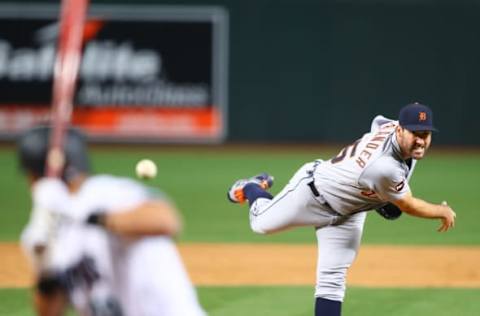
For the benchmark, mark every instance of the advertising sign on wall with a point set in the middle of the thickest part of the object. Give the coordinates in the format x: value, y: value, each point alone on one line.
x: 148, y: 73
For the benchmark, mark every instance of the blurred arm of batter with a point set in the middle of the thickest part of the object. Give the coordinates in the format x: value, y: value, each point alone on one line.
x: 150, y: 218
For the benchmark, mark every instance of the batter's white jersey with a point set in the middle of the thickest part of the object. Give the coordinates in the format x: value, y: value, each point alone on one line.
x: 146, y: 275
x: 366, y: 174
x: 67, y: 240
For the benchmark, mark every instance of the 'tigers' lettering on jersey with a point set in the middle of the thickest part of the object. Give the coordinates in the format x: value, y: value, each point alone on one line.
x: 373, y: 144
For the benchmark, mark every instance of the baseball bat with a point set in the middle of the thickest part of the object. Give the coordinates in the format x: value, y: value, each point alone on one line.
x: 67, y: 63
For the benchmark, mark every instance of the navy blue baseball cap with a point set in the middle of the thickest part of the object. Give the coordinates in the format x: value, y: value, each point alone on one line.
x: 416, y: 117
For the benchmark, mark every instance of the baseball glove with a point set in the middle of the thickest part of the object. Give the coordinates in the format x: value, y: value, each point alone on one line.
x: 389, y: 211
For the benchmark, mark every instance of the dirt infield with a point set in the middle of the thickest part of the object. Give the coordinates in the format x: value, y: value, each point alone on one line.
x: 287, y: 264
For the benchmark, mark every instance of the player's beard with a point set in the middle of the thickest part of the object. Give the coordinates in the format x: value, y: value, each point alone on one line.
x: 418, y: 151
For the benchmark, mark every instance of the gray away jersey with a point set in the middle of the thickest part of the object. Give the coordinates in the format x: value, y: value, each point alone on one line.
x: 367, y: 173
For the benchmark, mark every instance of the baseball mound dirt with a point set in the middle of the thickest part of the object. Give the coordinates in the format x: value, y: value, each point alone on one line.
x: 287, y: 264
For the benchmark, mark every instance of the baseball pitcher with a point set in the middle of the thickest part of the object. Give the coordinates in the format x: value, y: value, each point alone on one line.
x: 334, y: 195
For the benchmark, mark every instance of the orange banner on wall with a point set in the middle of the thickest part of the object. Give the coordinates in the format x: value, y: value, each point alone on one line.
x: 128, y: 122
x: 141, y: 124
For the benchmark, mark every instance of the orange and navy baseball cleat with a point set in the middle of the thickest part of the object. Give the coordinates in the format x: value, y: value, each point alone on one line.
x: 236, y: 195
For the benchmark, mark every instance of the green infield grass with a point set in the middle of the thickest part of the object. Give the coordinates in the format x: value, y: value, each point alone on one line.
x: 197, y: 179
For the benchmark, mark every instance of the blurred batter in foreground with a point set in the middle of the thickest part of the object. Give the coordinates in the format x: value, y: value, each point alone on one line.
x: 101, y: 244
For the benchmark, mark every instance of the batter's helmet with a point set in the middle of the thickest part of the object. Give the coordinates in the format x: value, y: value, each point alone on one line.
x: 32, y: 149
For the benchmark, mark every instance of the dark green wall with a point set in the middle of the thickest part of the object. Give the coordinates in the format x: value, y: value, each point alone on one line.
x: 318, y: 71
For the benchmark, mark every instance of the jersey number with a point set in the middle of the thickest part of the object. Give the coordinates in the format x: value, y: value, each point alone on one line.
x: 343, y: 153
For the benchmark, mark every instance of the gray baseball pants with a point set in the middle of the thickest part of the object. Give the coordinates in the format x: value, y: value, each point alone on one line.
x: 338, y: 236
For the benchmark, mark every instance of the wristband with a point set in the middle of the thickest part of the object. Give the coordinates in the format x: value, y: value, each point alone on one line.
x: 97, y: 218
